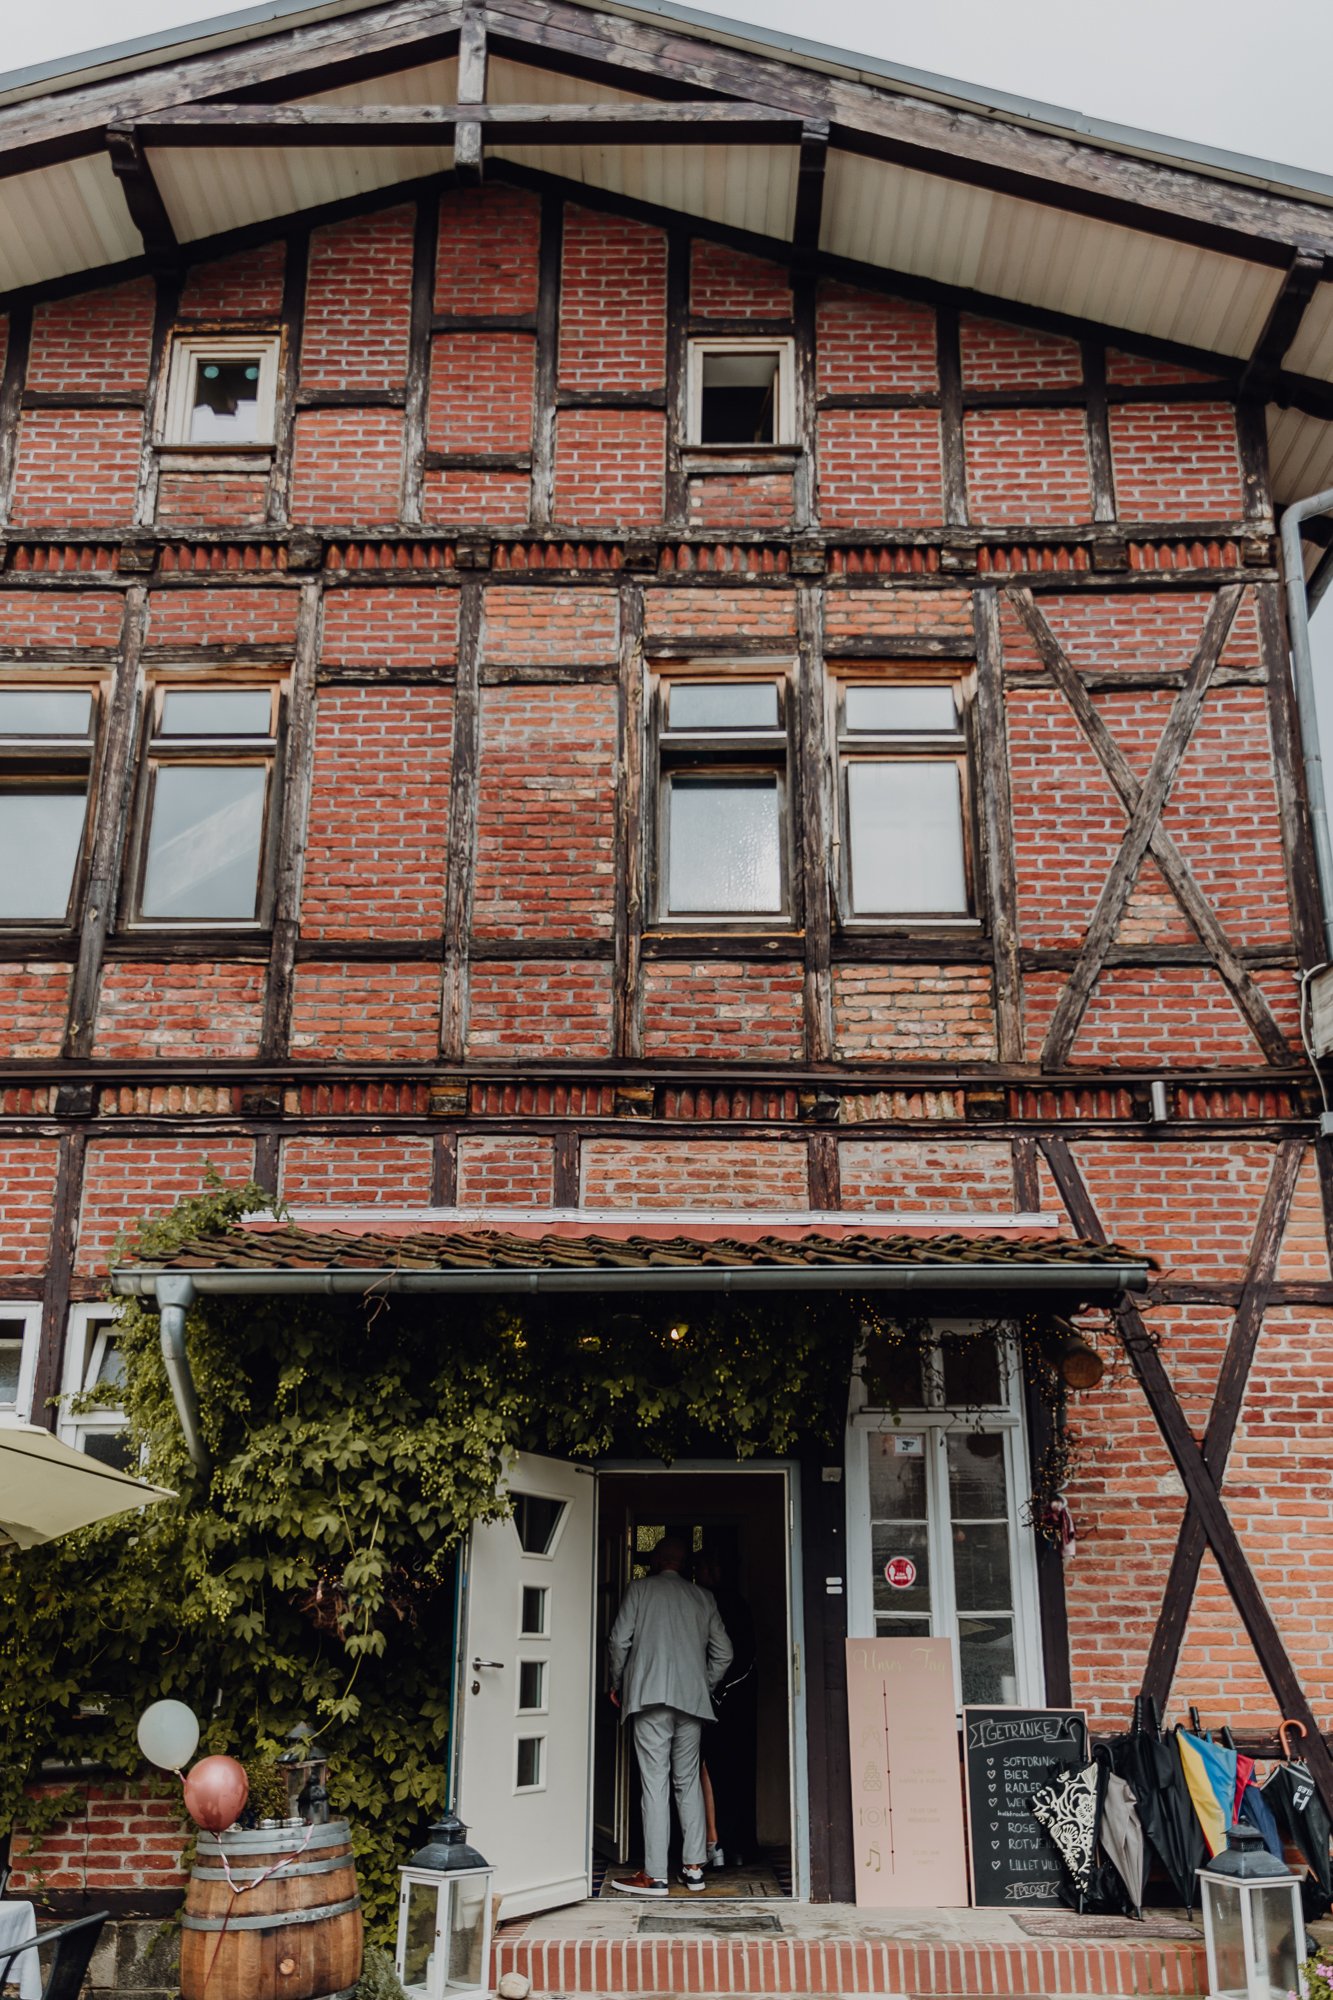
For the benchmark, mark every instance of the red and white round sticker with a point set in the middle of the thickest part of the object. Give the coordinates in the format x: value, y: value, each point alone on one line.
x: 900, y: 1571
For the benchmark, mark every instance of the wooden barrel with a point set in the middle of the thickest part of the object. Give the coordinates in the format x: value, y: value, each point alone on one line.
x: 290, y: 1935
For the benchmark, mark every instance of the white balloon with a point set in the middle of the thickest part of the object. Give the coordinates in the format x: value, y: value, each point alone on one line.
x: 168, y: 1734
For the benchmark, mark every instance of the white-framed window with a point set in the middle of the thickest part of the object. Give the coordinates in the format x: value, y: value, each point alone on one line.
x: 903, y: 796
x: 204, y: 830
x: 20, y: 1329
x: 937, y: 1490
x: 722, y: 834
x: 221, y: 391
x: 741, y: 392
x: 94, y: 1364
x: 48, y: 730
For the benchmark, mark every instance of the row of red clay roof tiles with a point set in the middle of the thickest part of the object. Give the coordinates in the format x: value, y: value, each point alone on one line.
x: 488, y: 1249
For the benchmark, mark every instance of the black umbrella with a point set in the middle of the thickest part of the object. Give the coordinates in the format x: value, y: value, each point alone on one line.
x: 1151, y: 1767
x: 1299, y: 1811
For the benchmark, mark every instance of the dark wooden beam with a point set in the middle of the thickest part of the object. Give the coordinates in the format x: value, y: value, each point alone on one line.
x: 66, y: 1197
x: 1228, y: 1398
x: 111, y: 804
x: 699, y: 123
x: 11, y: 396
x: 165, y: 305
x: 143, y: 197
x: 471, y: 90
x: 953, y: 445
x: 814, y: 887
x: 541, y: 501
x: 676, y: 487
x: 1100, y: 471
x: 627, y: 1030
x: 461, y: 834
x: 295, y: 273
x: 1285, y: 315
x: 298, y: 778
x: 1289, y: 780
x: 425, y: 248
x: 1200, y: 1485
x: 958, y: 141
x: 995, y: 821
x: 811, y: 174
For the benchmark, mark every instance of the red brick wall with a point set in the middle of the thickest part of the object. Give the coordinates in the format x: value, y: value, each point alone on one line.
x: 867, y: 345
x: 358, y: 300
x: 27, y: 1172
x: 609, y: 466
x: 403, y: 627
x: 547, y: 1008
x: 200, y: 1009
x: 999, y: 356
x: 236, y: 287
x: 928, y: 1176
x: 549, y: 627
x: 504, y: 1172
x: 612, y: 303
x: 223, y: 616
x: 695, y: 1173
x: 726, y: 284
x: 98, y: 340
x: 488, y: 252
x: 880, y: 468
x: 36, y: 1006
x: 721, y: 1009
x: 128, y: 1178
x: 124, y: 1836
x: 375, y: 1170
x: 1175, y: 463
x: 544, y: 820
x: 481, y: 393
x: 1027, y: 465
x: 348, y: 466
x: 377, y: 837
x: 77, y: 468
x: 909, y: 1013
x: 366, y: 1013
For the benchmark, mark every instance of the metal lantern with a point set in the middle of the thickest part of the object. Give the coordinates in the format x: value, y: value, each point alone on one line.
x: 306, y: 1769
x: 444, y: 1916
x: 1252, y: 1925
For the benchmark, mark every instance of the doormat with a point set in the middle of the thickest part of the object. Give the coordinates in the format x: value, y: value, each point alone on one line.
x: 706, y: 1923
x: 1119, y: 1929
x: 758, y: 1882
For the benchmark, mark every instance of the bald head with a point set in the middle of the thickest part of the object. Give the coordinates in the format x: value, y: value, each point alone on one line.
x: 670, y: 1553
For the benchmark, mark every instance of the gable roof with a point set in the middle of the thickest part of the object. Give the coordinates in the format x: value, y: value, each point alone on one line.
x: 790, y: 148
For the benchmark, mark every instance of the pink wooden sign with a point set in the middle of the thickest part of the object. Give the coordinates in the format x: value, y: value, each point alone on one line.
x: 907, y: 1796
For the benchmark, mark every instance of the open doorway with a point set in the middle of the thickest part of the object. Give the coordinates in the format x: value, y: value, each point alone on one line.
x: 739, y: 1520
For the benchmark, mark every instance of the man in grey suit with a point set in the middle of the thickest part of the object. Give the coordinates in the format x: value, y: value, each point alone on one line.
x: 668, y: 1650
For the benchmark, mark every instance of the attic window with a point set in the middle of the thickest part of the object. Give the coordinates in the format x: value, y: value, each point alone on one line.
x: 221, y: 391
x: 741, y: 393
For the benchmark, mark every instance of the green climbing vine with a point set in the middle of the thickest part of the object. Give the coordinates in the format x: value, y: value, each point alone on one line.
x: 309, y: 1574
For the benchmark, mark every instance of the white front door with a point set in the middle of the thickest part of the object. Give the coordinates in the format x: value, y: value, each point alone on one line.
x: 525, y: 1679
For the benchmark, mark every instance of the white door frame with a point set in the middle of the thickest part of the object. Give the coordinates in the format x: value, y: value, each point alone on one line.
x: 1008, y: 1418
x: 797, y: 1759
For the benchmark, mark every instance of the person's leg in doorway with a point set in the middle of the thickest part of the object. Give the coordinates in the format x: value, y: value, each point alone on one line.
x: 653, y: 1746
x: 687, y: 1732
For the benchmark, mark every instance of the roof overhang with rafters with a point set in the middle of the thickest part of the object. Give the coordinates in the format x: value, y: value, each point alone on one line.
x: 790, y: 149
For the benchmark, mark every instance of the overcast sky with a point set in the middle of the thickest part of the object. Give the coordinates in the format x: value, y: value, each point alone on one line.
x: 1224, y: 73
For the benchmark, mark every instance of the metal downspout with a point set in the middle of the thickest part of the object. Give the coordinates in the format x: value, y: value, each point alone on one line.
x: 175, y: 1294
x: 1302, y: 673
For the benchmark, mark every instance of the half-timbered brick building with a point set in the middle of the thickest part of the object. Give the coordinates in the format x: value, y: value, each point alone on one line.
x: 613, y: 629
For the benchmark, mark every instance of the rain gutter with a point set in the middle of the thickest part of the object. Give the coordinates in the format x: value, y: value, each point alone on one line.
x: 1302, y: 674
x: 176, y: 1291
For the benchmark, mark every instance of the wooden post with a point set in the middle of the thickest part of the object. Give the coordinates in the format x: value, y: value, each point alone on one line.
x: 294, y: 275
x: 548, y: 360
x: 298, y: 778
x: 812, y: 820
x: 65, y: 1200
x: 462, y: 831
x: 425, y: 249
x: 996, y: 826
x: 11, y: 392
x: 629, y: 830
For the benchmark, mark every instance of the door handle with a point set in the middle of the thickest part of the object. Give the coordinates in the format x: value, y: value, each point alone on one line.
x: 477, y: 1665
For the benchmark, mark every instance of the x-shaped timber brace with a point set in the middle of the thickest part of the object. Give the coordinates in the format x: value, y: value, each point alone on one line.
x: 1206, y: 1517
x: 1145, y: 833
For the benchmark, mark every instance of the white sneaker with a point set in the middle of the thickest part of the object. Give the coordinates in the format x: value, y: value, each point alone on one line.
x: 716, y: 1858
x: 693, y: 1878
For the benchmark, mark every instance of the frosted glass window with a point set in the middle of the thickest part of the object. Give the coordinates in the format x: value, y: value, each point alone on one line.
x: 204, y: 841
x: 224, y: 407
x: 11, y: 1365
x: 905, y: 822
x: 724, y: 846
x: 528, y: 1763
x: 45, y: 711
x: 216, y: 712
x: 723, y: 705
x: 41, y: 830
x: 901, y: 710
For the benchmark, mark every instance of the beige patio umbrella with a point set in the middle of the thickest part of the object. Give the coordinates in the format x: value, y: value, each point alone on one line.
x: 49, y: 1489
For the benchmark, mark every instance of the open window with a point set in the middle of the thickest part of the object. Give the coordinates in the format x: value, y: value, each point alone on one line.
x: 221, y: 391
x: 741, y: 393
x: 206, y: 804
x: 939, y: 1545
x: 20, y: 1327
x: 47, y: 733
x: 903, y: 798
x: 722, y: 816
x: 92, y: 1418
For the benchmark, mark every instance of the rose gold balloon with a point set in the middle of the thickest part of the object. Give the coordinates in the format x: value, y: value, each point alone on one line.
x: 215, y: 1792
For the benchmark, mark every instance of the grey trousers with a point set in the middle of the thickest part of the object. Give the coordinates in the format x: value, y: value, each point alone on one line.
x: 667, y: 1746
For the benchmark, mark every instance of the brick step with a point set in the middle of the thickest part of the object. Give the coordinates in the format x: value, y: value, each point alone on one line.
x: 666, y: 1968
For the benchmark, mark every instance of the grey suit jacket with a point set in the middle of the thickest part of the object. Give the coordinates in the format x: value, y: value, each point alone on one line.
x: 668, y: 1645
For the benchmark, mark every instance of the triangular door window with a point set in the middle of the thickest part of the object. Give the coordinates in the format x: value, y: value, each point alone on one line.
x: 537, y: 1520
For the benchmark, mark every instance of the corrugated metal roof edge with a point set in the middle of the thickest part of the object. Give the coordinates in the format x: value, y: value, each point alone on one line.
x: 248, y: 23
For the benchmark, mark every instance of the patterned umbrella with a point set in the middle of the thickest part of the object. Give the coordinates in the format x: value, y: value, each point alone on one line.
x: 1069, y: 1811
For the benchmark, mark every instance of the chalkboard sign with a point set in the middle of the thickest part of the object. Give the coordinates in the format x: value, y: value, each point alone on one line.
x: 1008, y: 1754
